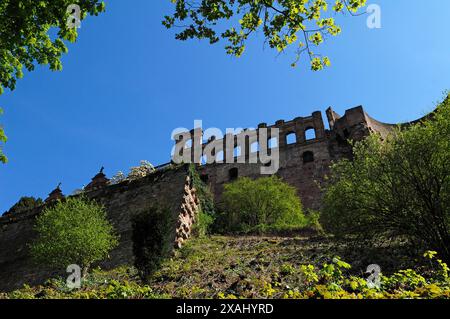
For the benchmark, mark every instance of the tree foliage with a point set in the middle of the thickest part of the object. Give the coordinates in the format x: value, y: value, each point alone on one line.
x: 152, y: 239
x: 396, y: 187
x: 301, y: 24
x: 3, y: 139
x: 74, y: 231
x: 26, y: 37
x: 251, y: 204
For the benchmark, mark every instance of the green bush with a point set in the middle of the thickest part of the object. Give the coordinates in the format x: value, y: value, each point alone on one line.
x: 152, y: 239
x: 313, y: 221
x: 202, y: 225
x: 399, y: 186
x: 258, y: 205
x: 74, y: 231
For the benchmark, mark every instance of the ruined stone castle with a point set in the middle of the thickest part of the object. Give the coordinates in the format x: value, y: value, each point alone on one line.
x: 306, y: 150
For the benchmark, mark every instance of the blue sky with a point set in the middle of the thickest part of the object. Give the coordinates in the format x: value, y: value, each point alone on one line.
x: 127, y: 84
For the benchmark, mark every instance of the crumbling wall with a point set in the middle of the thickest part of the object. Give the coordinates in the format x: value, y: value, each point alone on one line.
x: 305, y: 176
x: 170, y: 188
x: 190, y: 206
x: 303, y: 163
x: 306, y: 173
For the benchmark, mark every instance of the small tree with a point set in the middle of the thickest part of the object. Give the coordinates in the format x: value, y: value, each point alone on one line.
x: 399, y: 186
x: 74, y: 231
x: 251, y: 204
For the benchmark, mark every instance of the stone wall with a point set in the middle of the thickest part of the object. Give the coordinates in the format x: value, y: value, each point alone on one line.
x: 16, y: 268
x: 304, y: 163
x: 170, y: 188
x: 305, y: 176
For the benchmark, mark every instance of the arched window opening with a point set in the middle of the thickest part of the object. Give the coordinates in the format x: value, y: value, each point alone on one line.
x: 310, y: 134
x: 291, y: 138
x: 308, y: 157
x: 233, y: 174
x: 204, y: 160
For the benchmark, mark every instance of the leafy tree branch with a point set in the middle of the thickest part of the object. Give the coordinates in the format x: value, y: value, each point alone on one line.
x: 302, y: 24
x: 26, y: 40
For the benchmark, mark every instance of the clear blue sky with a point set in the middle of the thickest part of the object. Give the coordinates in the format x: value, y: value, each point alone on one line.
x: 127, y: 84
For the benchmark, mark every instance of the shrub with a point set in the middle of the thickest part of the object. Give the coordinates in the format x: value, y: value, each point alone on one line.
x: 332, y: 281
x: 145, y: 168
x: 313, y: 221
x: 74, y: 231
x: 152, y: 239
x: 202, y: 225
x: 399, y: 186
x: 250, y: 205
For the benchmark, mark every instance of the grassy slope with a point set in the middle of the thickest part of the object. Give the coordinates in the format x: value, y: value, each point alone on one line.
x: 246, y: 266
x: 217, y: 267
x: 239, y: 266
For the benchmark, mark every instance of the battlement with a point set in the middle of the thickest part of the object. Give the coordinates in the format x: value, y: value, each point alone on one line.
x: 245, y: 144
x: 298, y: 126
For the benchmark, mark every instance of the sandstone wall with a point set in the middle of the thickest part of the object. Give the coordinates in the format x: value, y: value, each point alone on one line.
x: 304, y: 176
x: 171, y: 189
x: 305, y: 173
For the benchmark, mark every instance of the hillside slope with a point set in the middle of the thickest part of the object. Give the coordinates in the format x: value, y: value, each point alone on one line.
x: 252, y: 267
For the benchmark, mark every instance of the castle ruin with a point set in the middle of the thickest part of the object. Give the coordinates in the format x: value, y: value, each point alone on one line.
x: 306, y: 150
